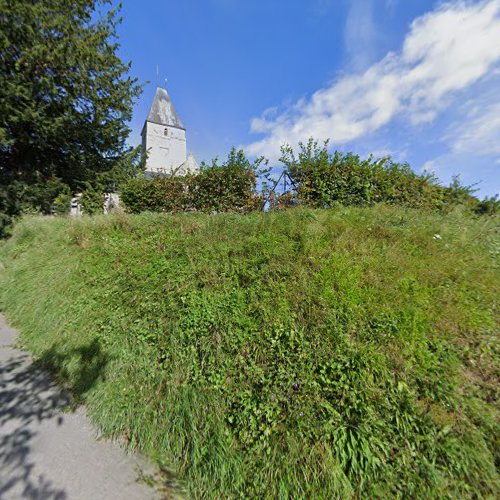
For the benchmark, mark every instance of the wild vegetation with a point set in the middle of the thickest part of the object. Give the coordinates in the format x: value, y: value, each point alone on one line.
x: 323, y: 179
x: 316, y: 178
x: 230, y: 186
x: 344, y: 348
x: 340, y: 353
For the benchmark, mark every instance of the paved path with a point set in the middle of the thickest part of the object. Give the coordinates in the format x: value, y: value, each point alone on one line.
x: 49, y: 454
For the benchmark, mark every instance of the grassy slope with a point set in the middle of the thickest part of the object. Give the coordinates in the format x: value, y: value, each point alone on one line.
x: 305, y: 353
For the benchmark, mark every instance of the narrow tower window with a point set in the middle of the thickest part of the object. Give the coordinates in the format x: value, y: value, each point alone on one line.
x: 165, y: 131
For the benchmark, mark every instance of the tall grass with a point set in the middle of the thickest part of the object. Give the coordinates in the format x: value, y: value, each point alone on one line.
x: 299, y: 354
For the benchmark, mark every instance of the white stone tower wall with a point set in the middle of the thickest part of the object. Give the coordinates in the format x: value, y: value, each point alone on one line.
x: 166, y: 147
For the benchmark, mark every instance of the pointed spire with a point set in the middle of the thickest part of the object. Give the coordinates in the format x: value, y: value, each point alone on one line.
x: 163, y: 111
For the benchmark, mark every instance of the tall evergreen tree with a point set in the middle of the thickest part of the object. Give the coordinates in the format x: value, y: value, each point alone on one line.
x: 65, y: 94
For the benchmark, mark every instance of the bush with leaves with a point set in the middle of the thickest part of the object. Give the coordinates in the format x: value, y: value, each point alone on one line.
x: 92, y: 201
x: 40, y: 197
x: 281, y: 201
x: 10, y: 205
x: 127, y: 169
x: 325, y: 179
x: 488, y: 206
x: 62, y: 204
x: 18, y: 198
x: 226, y: 187
x: 158, y: 194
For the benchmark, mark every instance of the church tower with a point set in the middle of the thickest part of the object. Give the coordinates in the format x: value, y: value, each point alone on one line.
x: 164, y: 138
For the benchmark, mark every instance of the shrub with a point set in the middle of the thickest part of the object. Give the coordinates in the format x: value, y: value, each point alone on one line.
x: 92, y: 201
x: 62, y: 204
x: 40, y: 197
x: 159, y: 194
x: 226, y: 187
x: 18, y: 198
x: 10, y: 205
x: 318, y: 179
x: 282, y: 201
x: 488, y: 206
x: 324, y: 180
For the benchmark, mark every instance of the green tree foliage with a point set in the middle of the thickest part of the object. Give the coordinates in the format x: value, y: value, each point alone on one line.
x: 488, y: 206
x: 159, y: 194
x: 220, y: 187
x: 65, y: 95
x: 323, y: 179
x: 230, y: 186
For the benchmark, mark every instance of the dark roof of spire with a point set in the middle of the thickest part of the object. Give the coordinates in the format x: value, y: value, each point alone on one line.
x: 163, y: 111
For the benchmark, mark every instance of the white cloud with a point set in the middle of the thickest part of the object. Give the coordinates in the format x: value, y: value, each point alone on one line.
x: 360, y: 34
x: 473, y: 141
x: 445, y: 51
x: 479, y: 171
x: 478, y: 133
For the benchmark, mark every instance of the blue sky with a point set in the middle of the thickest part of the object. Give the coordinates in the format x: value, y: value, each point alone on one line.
x: 416, y: 79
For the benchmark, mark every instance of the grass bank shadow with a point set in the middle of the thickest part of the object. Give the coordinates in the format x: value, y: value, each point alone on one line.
x: 28, y: 398
x: 79, y: 368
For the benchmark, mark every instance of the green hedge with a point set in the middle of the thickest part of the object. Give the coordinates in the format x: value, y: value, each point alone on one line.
x: 319, y: 179
x: 226, y: 187
x: 160, y: 194
x: 324, y: 179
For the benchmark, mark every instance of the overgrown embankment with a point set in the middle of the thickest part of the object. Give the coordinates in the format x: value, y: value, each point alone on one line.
x: 306, y: 353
